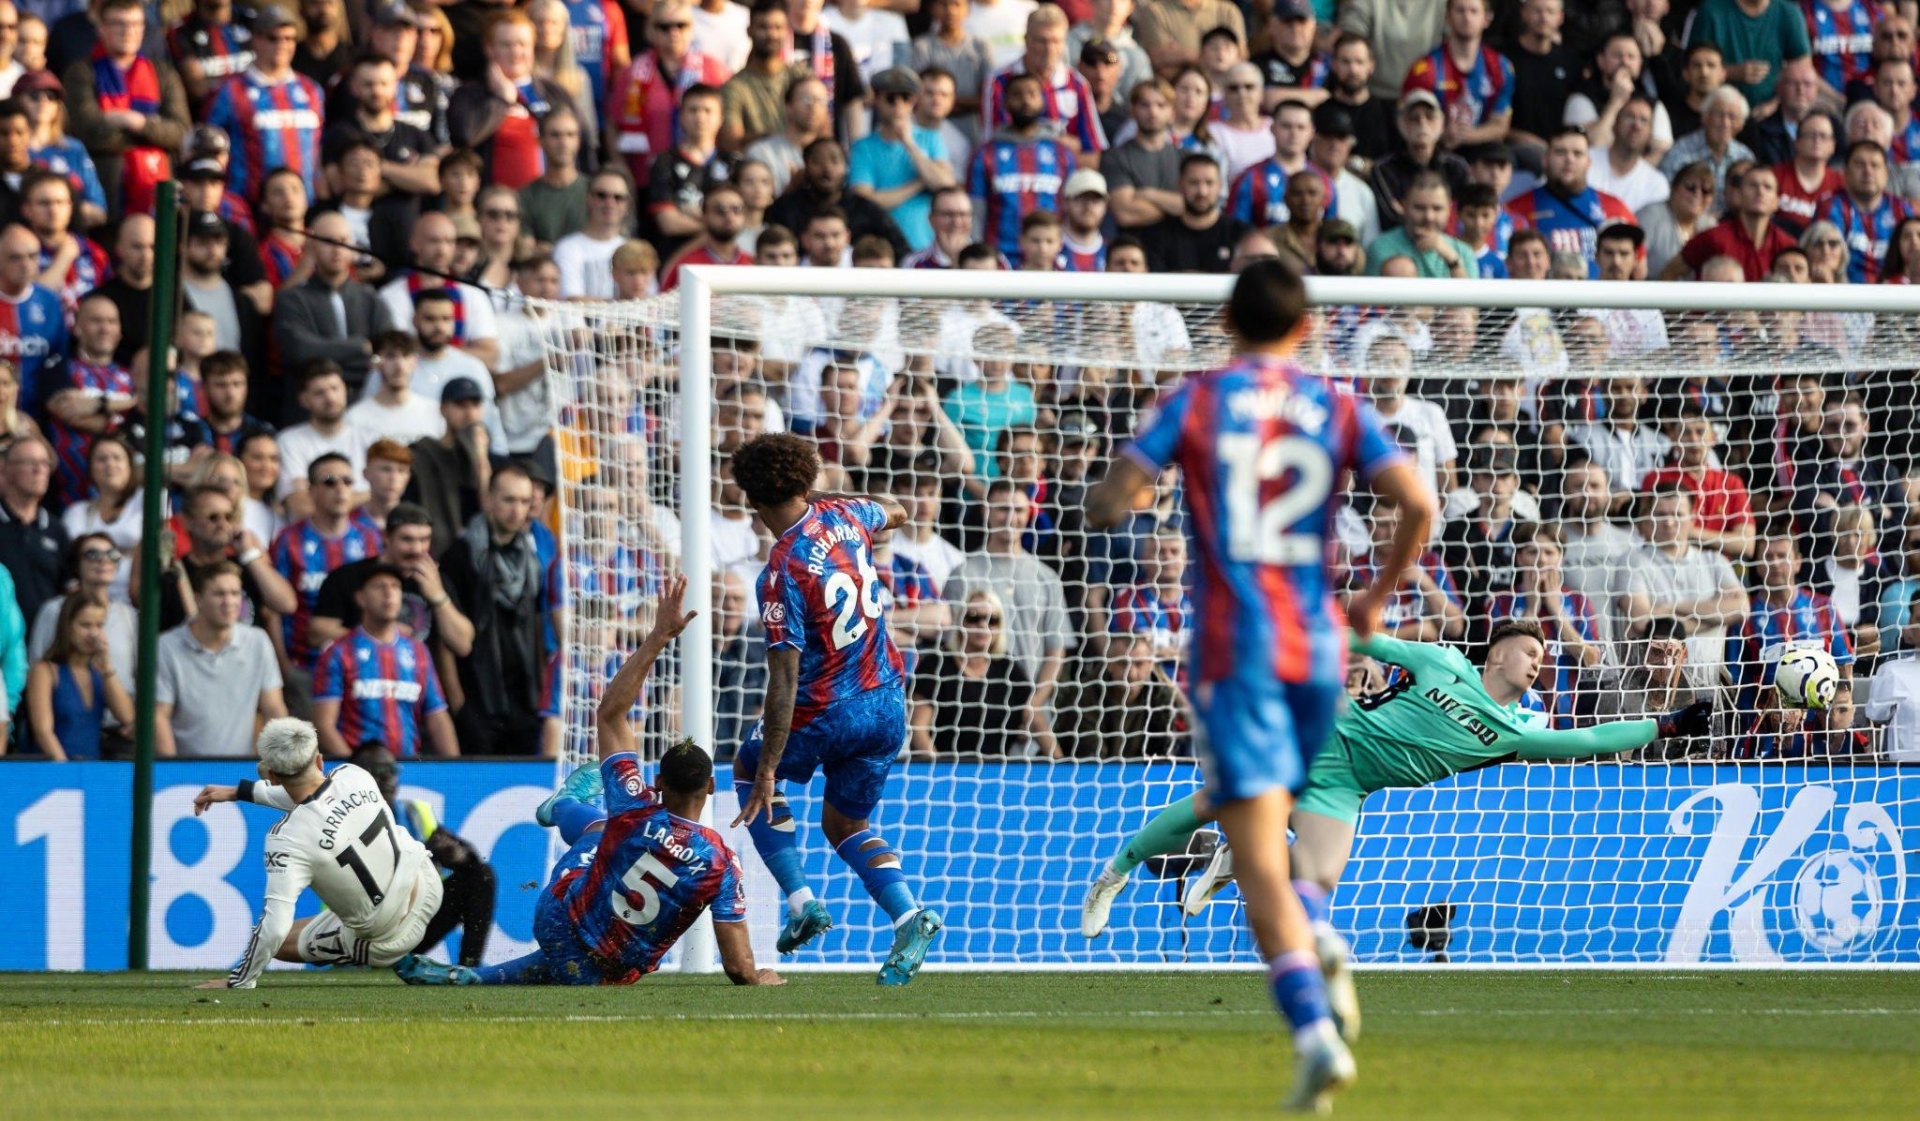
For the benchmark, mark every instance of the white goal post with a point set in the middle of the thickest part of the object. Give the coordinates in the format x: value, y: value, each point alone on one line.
x: 1748, y: 850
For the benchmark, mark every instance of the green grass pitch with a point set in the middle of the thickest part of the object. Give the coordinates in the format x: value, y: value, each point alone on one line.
x: 1165, y: 1045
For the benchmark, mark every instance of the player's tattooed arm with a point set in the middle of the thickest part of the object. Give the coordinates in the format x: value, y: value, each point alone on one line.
x: 783, y: 684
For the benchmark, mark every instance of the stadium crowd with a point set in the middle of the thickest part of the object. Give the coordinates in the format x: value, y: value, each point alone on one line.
x: 360, y: 465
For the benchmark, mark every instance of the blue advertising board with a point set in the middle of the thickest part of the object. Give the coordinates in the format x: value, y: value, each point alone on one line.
x: 1604, y: 864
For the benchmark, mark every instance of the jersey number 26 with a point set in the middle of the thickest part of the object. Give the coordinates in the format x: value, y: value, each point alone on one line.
x: 1268, y: 532
x: 853, y: 605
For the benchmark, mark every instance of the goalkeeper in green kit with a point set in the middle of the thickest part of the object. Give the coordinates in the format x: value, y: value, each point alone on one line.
x: 1438, y: 716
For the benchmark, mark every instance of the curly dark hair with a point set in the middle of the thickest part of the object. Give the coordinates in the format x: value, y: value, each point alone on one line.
x: 776, y: 467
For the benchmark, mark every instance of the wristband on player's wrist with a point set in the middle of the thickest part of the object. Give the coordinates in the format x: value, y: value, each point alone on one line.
x: 243, y: 792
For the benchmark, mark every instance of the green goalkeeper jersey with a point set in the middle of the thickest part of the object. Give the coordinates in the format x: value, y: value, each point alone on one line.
x: 1437, y: 720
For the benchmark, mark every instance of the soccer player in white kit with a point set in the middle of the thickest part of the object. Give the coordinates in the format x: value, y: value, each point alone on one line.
x: 379, y: 884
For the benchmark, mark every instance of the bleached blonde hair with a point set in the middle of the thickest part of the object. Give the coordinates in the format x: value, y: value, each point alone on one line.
x: 287, y: 746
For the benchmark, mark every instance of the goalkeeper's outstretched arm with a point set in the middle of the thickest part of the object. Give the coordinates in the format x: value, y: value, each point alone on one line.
x: 1617, y: 736
x: 614, y: 731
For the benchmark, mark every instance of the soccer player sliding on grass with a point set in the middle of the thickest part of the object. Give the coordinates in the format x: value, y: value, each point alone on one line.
x: 1437, y: 717
x: 639, y: 872
x: 836, y: 694
x: 1262, y: 446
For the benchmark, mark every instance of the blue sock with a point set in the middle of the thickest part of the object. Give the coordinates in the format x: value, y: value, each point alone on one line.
x: 773, y: 837
x: 878, y: 863
x: 1313, y: 899
x: 1298, y: 990
x: 572, y: 817
x: 529, y: 970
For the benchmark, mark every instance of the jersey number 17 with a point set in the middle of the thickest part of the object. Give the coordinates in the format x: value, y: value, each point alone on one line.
x: 1269, y: 532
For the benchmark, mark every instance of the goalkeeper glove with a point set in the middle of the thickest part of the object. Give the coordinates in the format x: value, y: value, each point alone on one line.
x: 1688, y: 721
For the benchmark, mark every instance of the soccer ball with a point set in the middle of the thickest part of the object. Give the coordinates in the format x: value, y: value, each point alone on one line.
x: 1806, y: 677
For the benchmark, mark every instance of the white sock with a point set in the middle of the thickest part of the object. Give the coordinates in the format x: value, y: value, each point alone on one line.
x: 907, y: 918
x: 797, y: 902
x: 1314, y: 1036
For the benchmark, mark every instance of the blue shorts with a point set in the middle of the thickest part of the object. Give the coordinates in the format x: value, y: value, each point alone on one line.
x: 1255, y: 736
x: 568, y: 962
x: 855, y: 742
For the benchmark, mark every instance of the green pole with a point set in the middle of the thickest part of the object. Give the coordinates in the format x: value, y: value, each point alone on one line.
x: 166, y: 276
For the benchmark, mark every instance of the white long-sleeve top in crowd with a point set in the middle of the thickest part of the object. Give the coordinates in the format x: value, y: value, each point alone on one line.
x: 342, y: 842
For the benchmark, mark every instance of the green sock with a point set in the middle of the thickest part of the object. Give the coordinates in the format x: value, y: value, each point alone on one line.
x: 1167, y: 832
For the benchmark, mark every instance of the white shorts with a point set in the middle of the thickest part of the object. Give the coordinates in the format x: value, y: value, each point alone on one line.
x: 328, y: 941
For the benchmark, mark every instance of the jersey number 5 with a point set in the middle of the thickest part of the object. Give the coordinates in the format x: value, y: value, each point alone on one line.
x: 636, y: 881
x: 1264, y: 532
x: 853, y: 605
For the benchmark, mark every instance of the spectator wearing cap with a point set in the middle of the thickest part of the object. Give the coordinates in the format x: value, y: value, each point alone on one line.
x: 450, y: 474
x: 378, y: 680
x: 208, y: 47
x: 1170, y: 30
x: 1100, y: 66
x: 1110, y: 25
x: 723, y: 213
x: 1066, y: 103
x: 805, y: 120
x: 274, y: 113
x: 128, y: 109
x: 1292, y: 67
x: 900, y: 164
x: 1083, y: 247
x: 1420, y: 125
x: 1565, y: 210
x: 393, y: 33
x: 951, y: 47
x: 331, y: 315
x: 203, y: 187
x: 499, y: 116
x: 1747, y: 233
x: 1336, y: 249
x: 409, y: 158
x: 643, y: 114
x: 1331, y: 152
x: 51, y: 147
x: 1259, y: 193
x: 239, y: 318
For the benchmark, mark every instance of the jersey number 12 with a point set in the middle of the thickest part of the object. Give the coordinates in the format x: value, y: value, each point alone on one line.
x: 1267, y: 532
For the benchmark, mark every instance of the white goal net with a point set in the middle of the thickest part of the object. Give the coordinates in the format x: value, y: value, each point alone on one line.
x: 1675, y: 496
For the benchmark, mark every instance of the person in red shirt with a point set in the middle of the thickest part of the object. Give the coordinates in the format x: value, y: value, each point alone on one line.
x: 1747, y: 233
x: 499, y: 117
x: 643, y: 113
x: 723, y: 214
x: 1722, y: 512
x: 1809, y: 180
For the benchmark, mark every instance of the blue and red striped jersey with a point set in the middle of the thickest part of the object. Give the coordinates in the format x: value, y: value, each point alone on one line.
x: 1570, y: 225
x: 1075, y: 258
x: 279, y: 258
x: 1842, y: 40
x: 1259, y: 195
x: 386, y: 690
x: 821, y: 595
x: 305, y: 557
x: 222, y: 49
x: 89, y: 270
x: 1262, y: 445
x: 596, y: 25
x: 1065, y: 99
x: 653, y: 873
x: 1011, y: 179
x: 1473, y: 96
x: 71, y: 445
x: 273, y: 125
x: 1754, y: 650
x: 33, y: 336
x: 1867, y: 231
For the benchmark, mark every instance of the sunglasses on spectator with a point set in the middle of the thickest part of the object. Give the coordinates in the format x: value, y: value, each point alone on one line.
x: 896, y: 97
x: 501, y: 215
x: 1242, y: 87
x: 100, y: 554
x: 1698, y: 188
x: 334, y: 481
x: 680, y: 26
x: 610, y: 196
x: 982, y: 617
